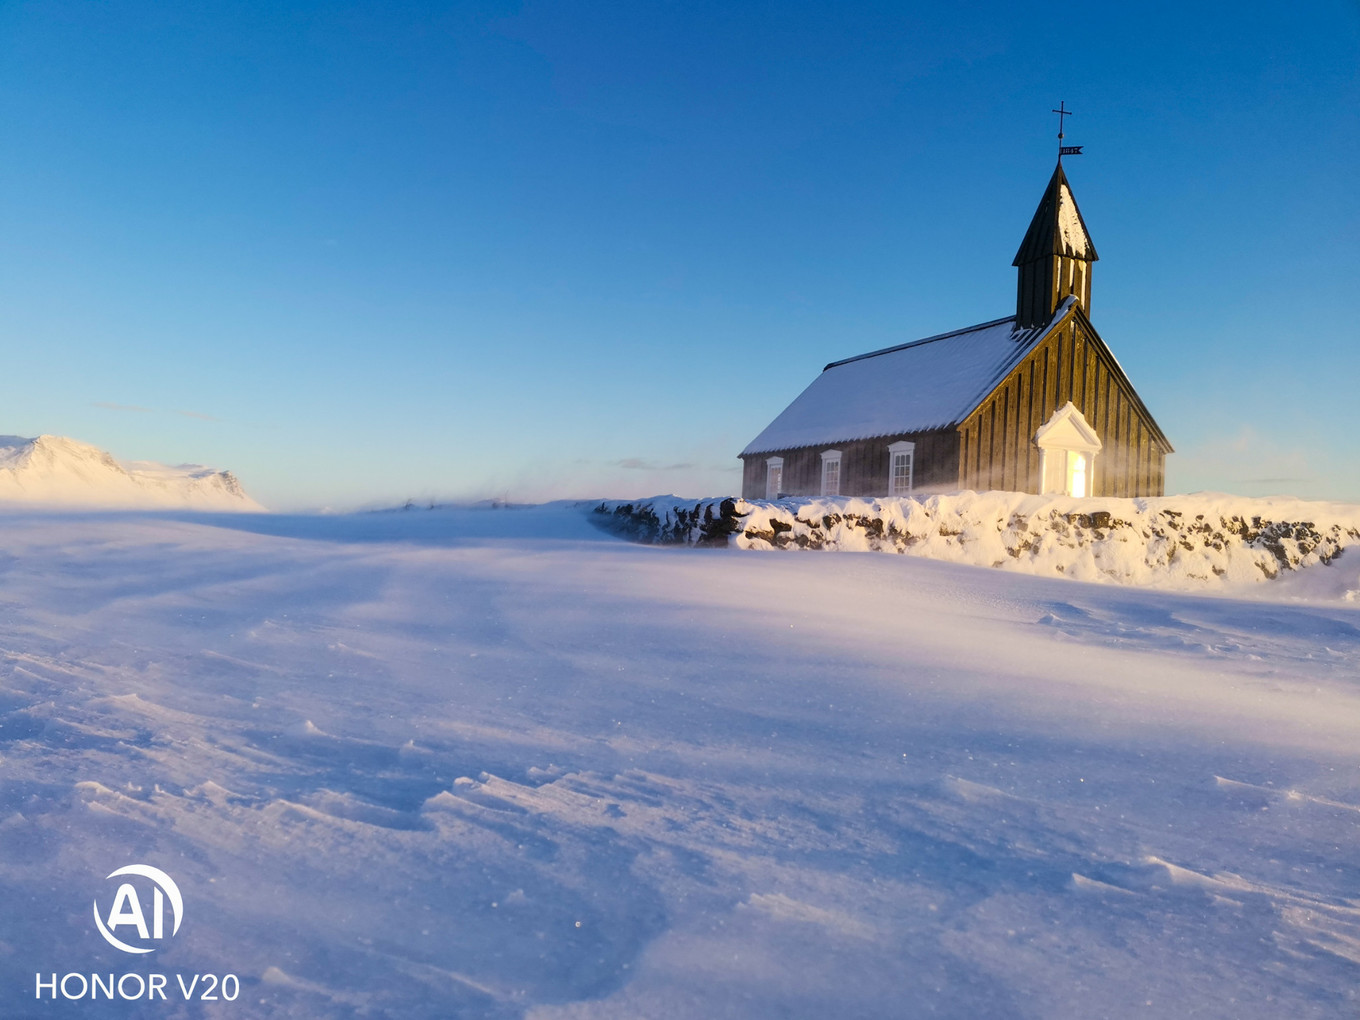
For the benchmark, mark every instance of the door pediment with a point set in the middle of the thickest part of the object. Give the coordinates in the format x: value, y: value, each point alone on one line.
x: 1068, y: 429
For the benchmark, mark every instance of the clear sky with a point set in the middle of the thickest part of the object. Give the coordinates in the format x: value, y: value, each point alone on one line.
x: 363, y: 252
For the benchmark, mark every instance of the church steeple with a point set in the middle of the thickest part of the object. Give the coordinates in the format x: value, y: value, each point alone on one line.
x: 1054, y: 258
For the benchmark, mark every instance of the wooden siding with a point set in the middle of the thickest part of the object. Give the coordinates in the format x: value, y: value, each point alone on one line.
x: 996, y: 442
x: 1043, y: 284
x: 864, y: 466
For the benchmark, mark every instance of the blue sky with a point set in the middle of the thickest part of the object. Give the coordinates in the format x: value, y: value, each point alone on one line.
x: 360, y: 253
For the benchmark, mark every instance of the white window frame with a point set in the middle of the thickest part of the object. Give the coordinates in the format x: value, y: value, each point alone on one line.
x: 831, y: 465
x: 903, y: 448
x: 1064, y: 464
x: 774, y: 477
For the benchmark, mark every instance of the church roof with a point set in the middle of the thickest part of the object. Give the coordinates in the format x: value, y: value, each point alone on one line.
x: 929, y: 384
x: 1057, y: 227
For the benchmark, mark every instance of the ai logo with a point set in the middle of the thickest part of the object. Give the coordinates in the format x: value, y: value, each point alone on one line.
x: 126, y: 911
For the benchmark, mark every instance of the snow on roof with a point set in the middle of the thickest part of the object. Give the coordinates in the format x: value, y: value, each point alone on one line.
x: 1057, y: 227
x: 929, y: 384
x: 1070, y: 227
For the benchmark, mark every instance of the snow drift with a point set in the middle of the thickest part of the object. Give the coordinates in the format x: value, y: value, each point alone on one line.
x: 58, y: 470
x: 495, y: 764
x: 1173, y: 541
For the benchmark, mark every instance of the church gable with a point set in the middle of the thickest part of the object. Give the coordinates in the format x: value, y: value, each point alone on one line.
x: 998, y: 448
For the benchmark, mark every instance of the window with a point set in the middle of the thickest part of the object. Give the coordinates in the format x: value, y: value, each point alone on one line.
x: 901, y: 463
x: 831, y: 473
x: 1067, y: 472
x: 1076, y: 474
x: 774, y: 477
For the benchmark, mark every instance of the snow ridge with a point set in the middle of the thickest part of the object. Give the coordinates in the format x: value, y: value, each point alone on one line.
x: 1197, y: 541
x: 56, y: 470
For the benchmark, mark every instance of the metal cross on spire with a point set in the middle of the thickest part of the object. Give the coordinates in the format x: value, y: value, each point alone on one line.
x: 1064, y: 150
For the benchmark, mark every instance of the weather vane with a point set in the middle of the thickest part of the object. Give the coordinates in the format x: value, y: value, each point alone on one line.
x: 1064, y: 150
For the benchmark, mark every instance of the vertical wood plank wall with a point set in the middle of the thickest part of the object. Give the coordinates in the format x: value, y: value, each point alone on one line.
x: 994, y: 447
x: 1042, y: 284
x: 864, y: 466
x: 996, y: 442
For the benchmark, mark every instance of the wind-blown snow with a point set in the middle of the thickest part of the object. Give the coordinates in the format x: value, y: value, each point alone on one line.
x: 57, y: 470
x: 429, y: 765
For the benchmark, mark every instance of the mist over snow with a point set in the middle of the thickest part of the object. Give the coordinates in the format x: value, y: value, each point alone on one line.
x: 57, y: 471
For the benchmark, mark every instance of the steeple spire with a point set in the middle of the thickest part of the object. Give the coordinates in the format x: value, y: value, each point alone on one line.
x: 1054, y: 258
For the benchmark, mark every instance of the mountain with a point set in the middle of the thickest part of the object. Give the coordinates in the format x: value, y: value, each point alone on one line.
x: 58, y: 470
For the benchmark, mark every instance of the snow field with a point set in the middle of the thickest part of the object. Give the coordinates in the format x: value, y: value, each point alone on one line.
x: 499, y: 763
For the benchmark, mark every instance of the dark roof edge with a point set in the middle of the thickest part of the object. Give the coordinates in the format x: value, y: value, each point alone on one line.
x: 843, y: 439
x: 917, y: 343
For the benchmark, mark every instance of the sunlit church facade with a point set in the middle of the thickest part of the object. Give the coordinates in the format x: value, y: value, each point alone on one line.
x: 1035, y: 402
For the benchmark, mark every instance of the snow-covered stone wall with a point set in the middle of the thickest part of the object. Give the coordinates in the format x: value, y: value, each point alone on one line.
x: 1182, y: 541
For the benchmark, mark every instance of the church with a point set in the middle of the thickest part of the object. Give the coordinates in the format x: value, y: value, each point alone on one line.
x: 1035, y: 402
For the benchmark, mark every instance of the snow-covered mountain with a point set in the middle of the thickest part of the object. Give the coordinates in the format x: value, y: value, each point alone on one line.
x: 58, y: 470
